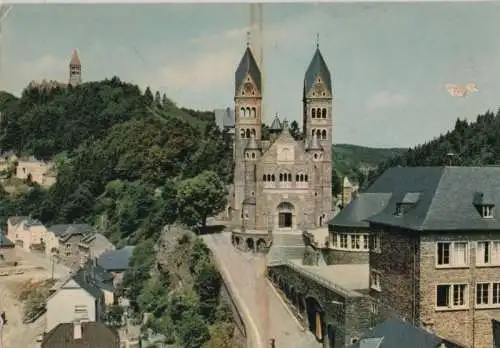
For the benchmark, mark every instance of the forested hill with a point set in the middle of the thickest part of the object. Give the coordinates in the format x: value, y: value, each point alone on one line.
x: 349, y: 159
x: 468, y: 144
x: 127, y: 162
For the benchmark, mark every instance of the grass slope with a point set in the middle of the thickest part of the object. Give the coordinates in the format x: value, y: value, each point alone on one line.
x: 347, y: 158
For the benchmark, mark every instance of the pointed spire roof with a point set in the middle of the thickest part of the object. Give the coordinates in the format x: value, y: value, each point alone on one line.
x: 252, y: 144
x: 317, y: 67
x: 314, y: 144
x: 75, y: 60
x: 248, y: 65
x: 276, y: 126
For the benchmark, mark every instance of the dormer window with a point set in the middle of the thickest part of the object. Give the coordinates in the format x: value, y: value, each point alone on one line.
x: 409, y: 200
x: 484, y: 204
x: 487, y: 211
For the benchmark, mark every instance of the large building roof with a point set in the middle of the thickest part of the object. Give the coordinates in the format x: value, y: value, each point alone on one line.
x: 435, y: 198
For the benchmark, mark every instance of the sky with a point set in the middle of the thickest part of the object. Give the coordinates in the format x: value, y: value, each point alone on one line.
x: 389, y: 62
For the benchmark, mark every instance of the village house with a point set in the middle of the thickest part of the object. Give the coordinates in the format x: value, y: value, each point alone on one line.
x: 81, y: 335
x: 116, y: 262
x: 79, y: 299
x: 92, y: 246
x: 26, y: 233
x: 63, y: 241
x: 39, y: 171
x: 435, y: 255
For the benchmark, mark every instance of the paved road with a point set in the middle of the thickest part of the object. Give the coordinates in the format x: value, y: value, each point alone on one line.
x: 267, y: 313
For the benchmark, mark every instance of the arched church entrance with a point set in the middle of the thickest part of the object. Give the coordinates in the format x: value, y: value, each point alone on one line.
x: 315, y: 318
x: 285, y: 215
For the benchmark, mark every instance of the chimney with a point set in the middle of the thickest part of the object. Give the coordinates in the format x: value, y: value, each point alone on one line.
x: 77, y: 330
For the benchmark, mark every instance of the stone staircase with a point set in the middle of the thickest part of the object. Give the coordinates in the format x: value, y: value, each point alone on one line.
x: 286, y: 246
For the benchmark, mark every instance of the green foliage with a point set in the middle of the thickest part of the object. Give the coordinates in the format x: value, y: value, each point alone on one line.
x: 34, y: 304
x: 200, y: 197
x: 468, y: 144
x: 207, y: 285
x: 114, y: 315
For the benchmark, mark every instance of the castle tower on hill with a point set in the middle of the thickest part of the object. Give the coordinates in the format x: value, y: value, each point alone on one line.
x: 282, y: 183
x: 75, y: 70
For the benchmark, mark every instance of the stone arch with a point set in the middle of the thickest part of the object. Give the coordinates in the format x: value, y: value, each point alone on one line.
x: 247, y: 112
x: 286, y: 215
x: 252, y: 132
x: 247, y: 133
x: 250, y: 244
x: 261, y: 245
x: 323, y: 134
x: 242, y: 112
x: 315, y: 318
x: 313, y: 113
x: 318, y: 133
x: 323, y: 113
x: 254, y: 113
x: 300, y: 303
x: 318, y: 112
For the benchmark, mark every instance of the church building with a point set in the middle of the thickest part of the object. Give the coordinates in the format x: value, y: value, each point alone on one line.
x: 282, y: 183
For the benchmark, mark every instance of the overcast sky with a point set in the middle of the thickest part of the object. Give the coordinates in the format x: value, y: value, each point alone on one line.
x: 389, y: 62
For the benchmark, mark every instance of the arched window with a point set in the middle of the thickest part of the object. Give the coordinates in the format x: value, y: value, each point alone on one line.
x: 253, y: 131
x: 269, y: 177
x: 273, y: 178
x: 247, y: 112
x: 297, y: 177
x: 289, y: 177
x: 313, y: 113
x: 247, y: 133
x: 301, y: 177
x: 264, y: 177
x: 306, y: 178
x: 281, y: 176
x: 313, y: 131
x: 323, y: 134
x: 318, y: 112
x: 242, y: 132
x: 318, y: 133
x: 323, y: 113
x: 254, y: 112
x: 253, y: 155
x: 242, y: 112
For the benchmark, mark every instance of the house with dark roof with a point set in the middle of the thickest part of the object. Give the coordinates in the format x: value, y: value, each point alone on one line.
x: 116, y: 261
x: 64, y: 242
x: 92, y: 246
x: 81, y: 335
x: 80, y: 299
x: 396, y: 333
x: 349, y: 232
x: 435, y: 255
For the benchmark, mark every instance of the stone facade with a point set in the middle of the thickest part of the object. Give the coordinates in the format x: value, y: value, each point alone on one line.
x: 345, y: 314
x: 282, y: 183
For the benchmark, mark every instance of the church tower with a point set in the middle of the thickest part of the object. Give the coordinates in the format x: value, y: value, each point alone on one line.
x: 248, y: 124
x: 75, y: 70
x: 317, y: 120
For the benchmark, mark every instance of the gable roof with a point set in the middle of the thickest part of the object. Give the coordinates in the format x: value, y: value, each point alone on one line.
x: 84, y: 279
x: 317, y: 66
x: 66, y: 231
x: 362, y: 207
x: 397, y: 333
x: 15, y: 220
x: 247, y: 65
x: 445, y: 200
x: 116, y: 260
x: 94, y: 335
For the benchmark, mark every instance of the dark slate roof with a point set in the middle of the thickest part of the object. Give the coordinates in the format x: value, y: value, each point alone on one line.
x: 317, y: 67
x: 360, y: 208
x: 446, y: 197
x: 75, y: 229
x: 83, y: 277
x: 248, y: 65
x: 396, y: 333
x: 496, y: 333
x: 94, y: 335
x: 224, y: 118
x: 100, y: 277
x: 116, y: 260
x: 276, y: 125
x: 5, y: 242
